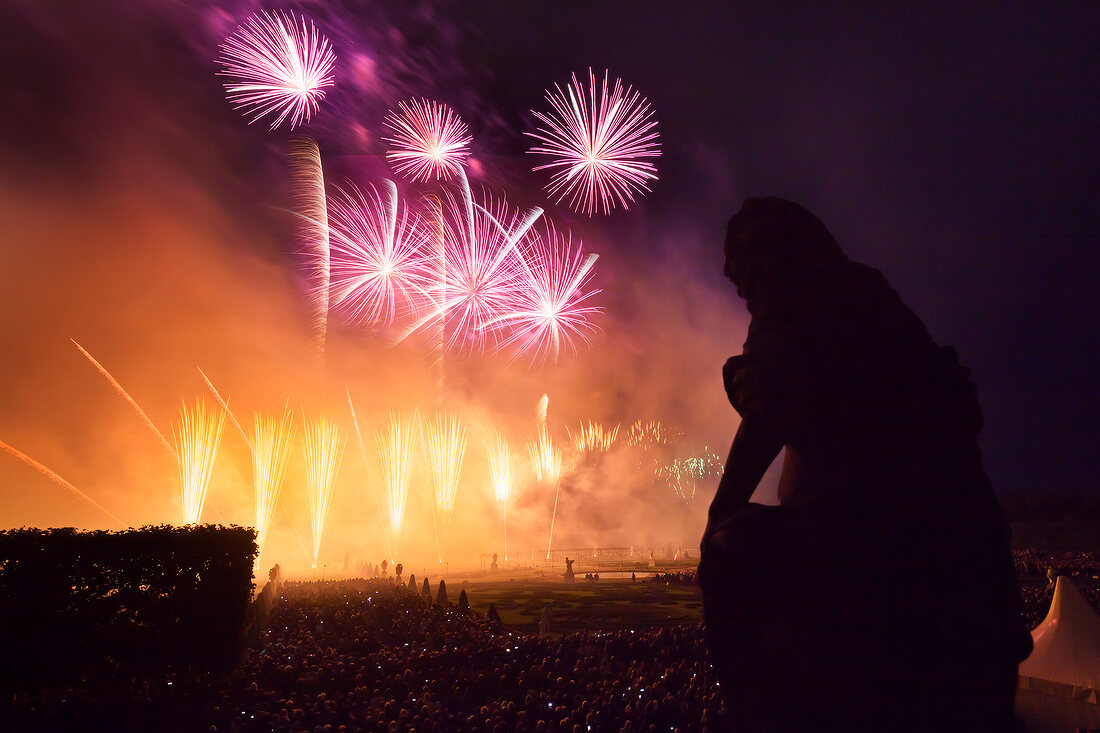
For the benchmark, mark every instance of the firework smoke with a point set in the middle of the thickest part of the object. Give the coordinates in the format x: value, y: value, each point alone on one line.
x: 500, y: 470
x: 59, y: 481
x: 366, y: 463
x: 126, y: 396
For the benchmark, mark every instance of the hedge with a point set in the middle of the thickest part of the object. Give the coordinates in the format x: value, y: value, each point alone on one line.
x: 132, y: 603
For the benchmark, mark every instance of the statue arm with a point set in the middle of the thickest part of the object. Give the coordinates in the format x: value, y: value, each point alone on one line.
x: 755, y: 446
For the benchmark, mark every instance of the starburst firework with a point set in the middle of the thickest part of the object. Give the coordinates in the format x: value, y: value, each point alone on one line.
x: 324, y: 447
x: 380, y: 269
x: 277, y: 64
x: 482, y: 269
x: 270, y: 441
x: 430, y: 141
x: 600, y: 144
x: 552, y: 309
x: 197, y: 437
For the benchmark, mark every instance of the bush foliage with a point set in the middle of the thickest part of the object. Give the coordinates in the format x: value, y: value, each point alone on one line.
x: 131, y: 603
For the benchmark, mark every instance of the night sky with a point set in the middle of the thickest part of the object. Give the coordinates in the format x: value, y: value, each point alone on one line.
x: 951, y: 145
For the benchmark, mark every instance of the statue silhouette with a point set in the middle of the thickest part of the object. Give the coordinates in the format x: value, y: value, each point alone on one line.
x: 881, y: 473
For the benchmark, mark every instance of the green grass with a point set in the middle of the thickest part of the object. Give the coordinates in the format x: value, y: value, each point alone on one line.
x: 602, y: 606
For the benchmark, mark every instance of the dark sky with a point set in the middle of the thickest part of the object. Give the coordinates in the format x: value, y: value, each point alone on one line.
x: 952, y: 145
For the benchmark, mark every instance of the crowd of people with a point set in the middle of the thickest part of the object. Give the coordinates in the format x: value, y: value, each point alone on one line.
x: 372, y: 655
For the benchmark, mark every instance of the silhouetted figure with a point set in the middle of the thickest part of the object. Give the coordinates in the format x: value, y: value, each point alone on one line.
x: 441, y: 594
x: 493, y: 564
x: 494, y: 616
x: 568, y: 574
x: 881, y: 473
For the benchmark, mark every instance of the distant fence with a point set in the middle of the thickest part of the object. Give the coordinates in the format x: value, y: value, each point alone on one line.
x: 131, y: 603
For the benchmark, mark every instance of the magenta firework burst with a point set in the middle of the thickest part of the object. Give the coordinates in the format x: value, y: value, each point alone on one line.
x: 277, y: 64
x: 479, y: 266
x: 552, y: 309
x: 600, y: 144
x: 380, y: 269
x: 430, y: 141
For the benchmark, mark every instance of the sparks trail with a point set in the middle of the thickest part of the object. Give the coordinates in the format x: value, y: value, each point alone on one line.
x: 430, y: 141
x: 308, y: 182
x: 366, y: 466
x: 59, y: 481
x: 551, y: 309
x: 500, y: 469
x: 277, y: 65
x: 126, y: 396
x: 598, y: 144
x: 395, y: 449
x: 197, y: 439
x: 380, y: 271
x: 480, y: 269
x: 324, y: 447
x: 225, y: 406
x: 270, y: 446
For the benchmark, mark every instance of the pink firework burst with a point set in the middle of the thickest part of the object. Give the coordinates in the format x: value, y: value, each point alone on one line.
x: 599, y: 144
x: 380, y: 269
x: 552, y: 308
x: 479, y: 266
x: 278, y: 64
x: 430, y: 141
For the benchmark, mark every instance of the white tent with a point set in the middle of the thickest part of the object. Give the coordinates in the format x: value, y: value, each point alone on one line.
x: 1059, y: 686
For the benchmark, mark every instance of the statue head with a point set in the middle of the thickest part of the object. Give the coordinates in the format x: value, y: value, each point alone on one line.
x: 774, y: 246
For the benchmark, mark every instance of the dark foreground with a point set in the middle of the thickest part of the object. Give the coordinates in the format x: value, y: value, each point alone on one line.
x: 363, y: 655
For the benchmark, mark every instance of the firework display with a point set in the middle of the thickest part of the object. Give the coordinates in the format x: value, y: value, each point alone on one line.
x: 395, y: 450
x: 308, y: 185
x: 270, y: 442
x: 591, y: 437
x: 683, y: 475
x: 429, y: 140
x: 197, y: 436
x: 600, y: 144
x: 130, y: 400
x: 552, y: 308
x: 500, y: 472
x: 445, y: 444
x: 277, y: 64
x: 324, y: 447
x: 380, y: 270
